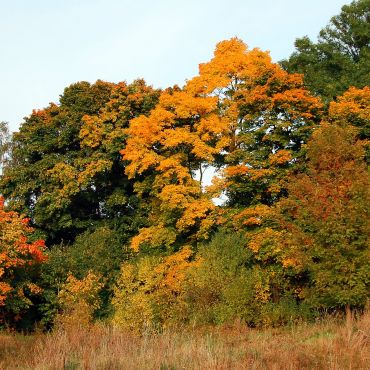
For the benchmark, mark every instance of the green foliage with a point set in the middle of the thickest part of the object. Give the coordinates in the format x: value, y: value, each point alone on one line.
x: 111, y: 177
x: 340, y: 58
x: 65, y: 173
x: 328, y: 209
x: 100, y: 252
x: 228, y: 286
x: 286, y: 311
x: 221, y: 286
x: 318, y: 235
x: 46, y: 140
x: 53, y: 275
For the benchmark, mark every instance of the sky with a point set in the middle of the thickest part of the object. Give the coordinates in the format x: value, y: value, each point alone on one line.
x: 45, y: 45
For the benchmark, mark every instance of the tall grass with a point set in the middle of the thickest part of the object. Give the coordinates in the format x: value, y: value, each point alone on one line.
x: 324, y: 345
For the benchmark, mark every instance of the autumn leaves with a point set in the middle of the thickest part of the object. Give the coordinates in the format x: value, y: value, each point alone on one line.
x: 113, y: 180
x: 20, y: 258
x: 243, y: 115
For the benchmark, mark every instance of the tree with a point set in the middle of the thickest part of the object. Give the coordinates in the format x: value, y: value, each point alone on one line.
x: 100, y: 251
x: 45, y: 148
x: 65, y: 171
x: 166, y: 148
x: 340, y: 58
x: 20, y: 258
x: 317, y: 237
x: 268, y: 115
x: 242, y: 114
x: 326, y: 217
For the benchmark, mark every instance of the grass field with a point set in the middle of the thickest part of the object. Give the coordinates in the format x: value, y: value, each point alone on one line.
x: 324, y: 345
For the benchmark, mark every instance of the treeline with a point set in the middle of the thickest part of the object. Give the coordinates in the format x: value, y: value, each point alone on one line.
x: 108, y: 214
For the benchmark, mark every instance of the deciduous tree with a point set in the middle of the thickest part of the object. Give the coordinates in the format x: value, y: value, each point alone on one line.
x: 242, y: 114
x: 340, y: 58
x: 320, y: 232
x: 66, y: 173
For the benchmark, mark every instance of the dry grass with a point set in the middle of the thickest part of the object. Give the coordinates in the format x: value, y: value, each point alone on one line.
x: 325, y: 345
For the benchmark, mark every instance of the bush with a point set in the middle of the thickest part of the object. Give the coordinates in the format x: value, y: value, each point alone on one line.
x: 229, y: 285
x: 100, y: 251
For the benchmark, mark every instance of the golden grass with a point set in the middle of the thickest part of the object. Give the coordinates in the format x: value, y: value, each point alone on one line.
x: 325, y: 345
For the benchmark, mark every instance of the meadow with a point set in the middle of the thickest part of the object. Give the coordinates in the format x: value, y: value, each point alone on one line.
x: 326, y: 344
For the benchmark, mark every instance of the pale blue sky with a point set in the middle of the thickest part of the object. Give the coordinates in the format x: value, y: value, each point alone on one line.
x: 48, y: 44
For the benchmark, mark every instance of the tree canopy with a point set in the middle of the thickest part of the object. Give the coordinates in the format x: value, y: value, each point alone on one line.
x: 243, y: 115
x: 106, y: 212
x: 65, y: 172
x: 340, y: 57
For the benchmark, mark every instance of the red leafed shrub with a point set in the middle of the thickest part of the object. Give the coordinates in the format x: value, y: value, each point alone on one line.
x: 20, y: 258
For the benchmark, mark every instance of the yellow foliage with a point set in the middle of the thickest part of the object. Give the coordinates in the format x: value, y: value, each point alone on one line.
x: 131, y: 297
x: 91, y: 170
x: 266, y: 236
x: 157, y: 236
x: 79, y: 300
x: 149, y: 292
x: 91, y: 131
x: 354, y: 104
x: 262, y: 291
x: 69, y: 179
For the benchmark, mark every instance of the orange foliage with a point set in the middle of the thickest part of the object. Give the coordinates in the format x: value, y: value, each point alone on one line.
x: 252, y: 216
x: 352, y: 107
x: 17, y: 253
x: 171, y: 272
x: 280, y: 157
x: 195, y: 127
x: 256, y: 97
x: 179, y: 135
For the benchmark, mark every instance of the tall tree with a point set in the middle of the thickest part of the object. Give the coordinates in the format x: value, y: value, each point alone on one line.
x: 65, y: 171
x: 340, y: 58
x: 319, y: 234
x: 46, y: 145
x: 244, y: 115
x: 268, y: 114
x: 326, y: 219
x: 164, y: 150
